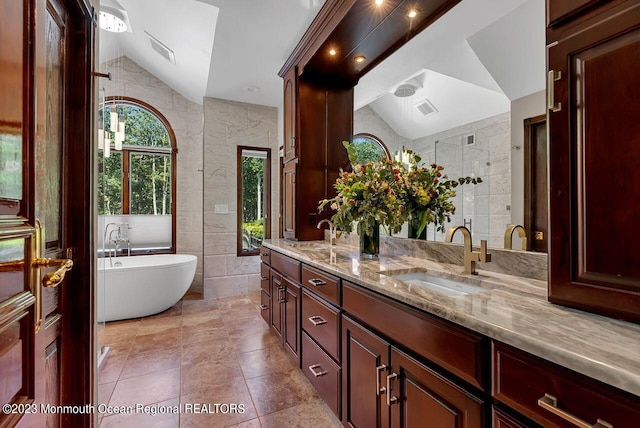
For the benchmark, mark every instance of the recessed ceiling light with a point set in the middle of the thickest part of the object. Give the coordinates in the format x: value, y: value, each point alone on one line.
x: 253, y: 88
x: 412, y: 13
x: 379, y: 2
x: 360, y: 58
x: 332, y: 52
x: 113, y: 20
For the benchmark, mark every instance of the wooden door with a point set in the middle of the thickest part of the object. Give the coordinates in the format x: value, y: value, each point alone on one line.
x: 45, y: 164
x: 276, y: 303
x: 536, y: 188
x: 594, y: 156
x: 289, y: 199
x: 291, y: 334
x: 290, y: 115
x: 365, y: 361
x: 421, y: 397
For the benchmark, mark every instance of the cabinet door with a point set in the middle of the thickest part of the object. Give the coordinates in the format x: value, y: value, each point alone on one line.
x: 365, y: 359
x: 277, y: 290
x: 289, y: 199
x: 594, y: 152
x: 291, y: 309
x: 421, y: 397
x: 290, y: 100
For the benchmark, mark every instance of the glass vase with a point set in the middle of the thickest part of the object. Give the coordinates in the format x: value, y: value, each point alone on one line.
x: 413, y: 230
x: 369, y: 242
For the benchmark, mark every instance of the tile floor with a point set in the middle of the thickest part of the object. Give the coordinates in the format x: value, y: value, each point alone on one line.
x: 206, y: 352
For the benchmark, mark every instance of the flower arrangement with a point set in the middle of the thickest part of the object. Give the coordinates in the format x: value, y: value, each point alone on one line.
x: 429, y: 193
x: 391, y: 193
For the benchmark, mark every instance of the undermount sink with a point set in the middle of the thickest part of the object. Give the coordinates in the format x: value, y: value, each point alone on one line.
x: 444, y: 286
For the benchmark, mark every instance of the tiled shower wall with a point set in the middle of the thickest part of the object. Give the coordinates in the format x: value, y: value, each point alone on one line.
x: 227, y: 125
x: 185, y: 117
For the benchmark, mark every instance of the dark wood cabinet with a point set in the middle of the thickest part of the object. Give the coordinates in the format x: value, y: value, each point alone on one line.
x: 385, y: 387
x: 281, y: 307
x: 554, y: 396
x: 365, y: 360
x: 559, y: 11
x: 594, y: 152
x: 277, y: 289
x: 290, y: 308
x: 500, y: 419
x: 419, y: 395
x: 289, y: 199
x: 290, y: 114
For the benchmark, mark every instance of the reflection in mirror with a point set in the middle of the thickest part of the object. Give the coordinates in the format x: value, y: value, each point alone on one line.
x: 369, y: 148
x: 458, y: 95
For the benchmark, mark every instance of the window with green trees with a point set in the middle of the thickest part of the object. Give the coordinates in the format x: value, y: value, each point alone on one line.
x: 139, y: 178
x: 254, y: 204
x: 369, y: 148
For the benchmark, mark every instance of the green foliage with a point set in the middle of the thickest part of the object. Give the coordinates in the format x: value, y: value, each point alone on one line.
x: 252, y: 187
x: 255, y: 227
x: 363, y: 150
x: 150, y: 174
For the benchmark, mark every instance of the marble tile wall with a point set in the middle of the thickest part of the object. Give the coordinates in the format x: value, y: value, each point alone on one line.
x: 227, y: 125
x: 186, y: 119
x: 488, y: 204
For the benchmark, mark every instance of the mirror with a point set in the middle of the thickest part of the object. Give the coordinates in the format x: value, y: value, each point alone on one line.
x: 458, y: 94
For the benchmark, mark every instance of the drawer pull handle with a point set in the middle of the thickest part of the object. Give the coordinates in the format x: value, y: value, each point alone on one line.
x: 316, y: 282
x: 391, y: 399
x: 313, y: 371
x: 317, y: 320
x: 264, y: 307
x: 553, y: 77
x: 264, y: 278
x: 379, y: 389
x: 550, y: 403
x: 264, y: 254
x: 282, y: 297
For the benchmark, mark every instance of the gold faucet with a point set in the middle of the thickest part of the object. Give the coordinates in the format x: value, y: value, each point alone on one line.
x: 508, y: 236
x: 470, y: 256
x: 333, y: 231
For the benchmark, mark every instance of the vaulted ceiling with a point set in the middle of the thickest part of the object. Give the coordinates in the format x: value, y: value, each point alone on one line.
x: 470, y: 64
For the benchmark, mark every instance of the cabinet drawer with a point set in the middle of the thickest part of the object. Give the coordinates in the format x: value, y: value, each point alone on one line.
x: 522, y: 382
x: 265, y: 255
x: 264, y: 278
x: 322, y: 283
x: 265, y: 306
x: 323, y: 373
x: 322, y: 323
x: 502, y: 420
x: 286, y: 266
x: 448, y: 345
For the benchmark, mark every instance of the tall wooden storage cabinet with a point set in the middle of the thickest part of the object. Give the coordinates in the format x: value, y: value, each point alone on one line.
x: 594, y: 151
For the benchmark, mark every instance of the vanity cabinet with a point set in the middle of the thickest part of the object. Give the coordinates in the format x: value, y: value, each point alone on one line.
x: 321, y: 321
x: 385, y: 387
x: 265, y: 292
x: 554, y: 396
x: 284, y: 301
x: 594, y: 149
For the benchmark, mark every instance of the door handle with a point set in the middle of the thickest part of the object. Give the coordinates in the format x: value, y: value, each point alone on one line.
x: 391, y: 399
x: 54, y: 278
x: 552, y: 77
x: 380, y: 390
x: 51, y: 279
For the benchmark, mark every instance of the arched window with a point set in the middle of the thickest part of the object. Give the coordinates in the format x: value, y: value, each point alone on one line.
x: 369, y: 148
x: 137, y: 176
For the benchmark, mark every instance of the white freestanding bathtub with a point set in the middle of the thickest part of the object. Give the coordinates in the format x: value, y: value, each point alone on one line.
x: 139, y: 286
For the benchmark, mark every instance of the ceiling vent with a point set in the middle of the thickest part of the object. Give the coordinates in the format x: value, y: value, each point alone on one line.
x: 405, y: 90
x: 469, y: 140
x: 162, y: 49
x: 425, y: 107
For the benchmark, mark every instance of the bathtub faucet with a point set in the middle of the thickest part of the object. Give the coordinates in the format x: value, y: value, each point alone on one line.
x: 118, y: 241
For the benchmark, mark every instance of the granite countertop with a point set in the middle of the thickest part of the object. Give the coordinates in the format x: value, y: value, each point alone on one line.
x: 512, y: 310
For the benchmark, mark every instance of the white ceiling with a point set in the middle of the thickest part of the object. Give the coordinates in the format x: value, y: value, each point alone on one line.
x: 486, y: 52
x: 482, y: 54
x: 186, y: 26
